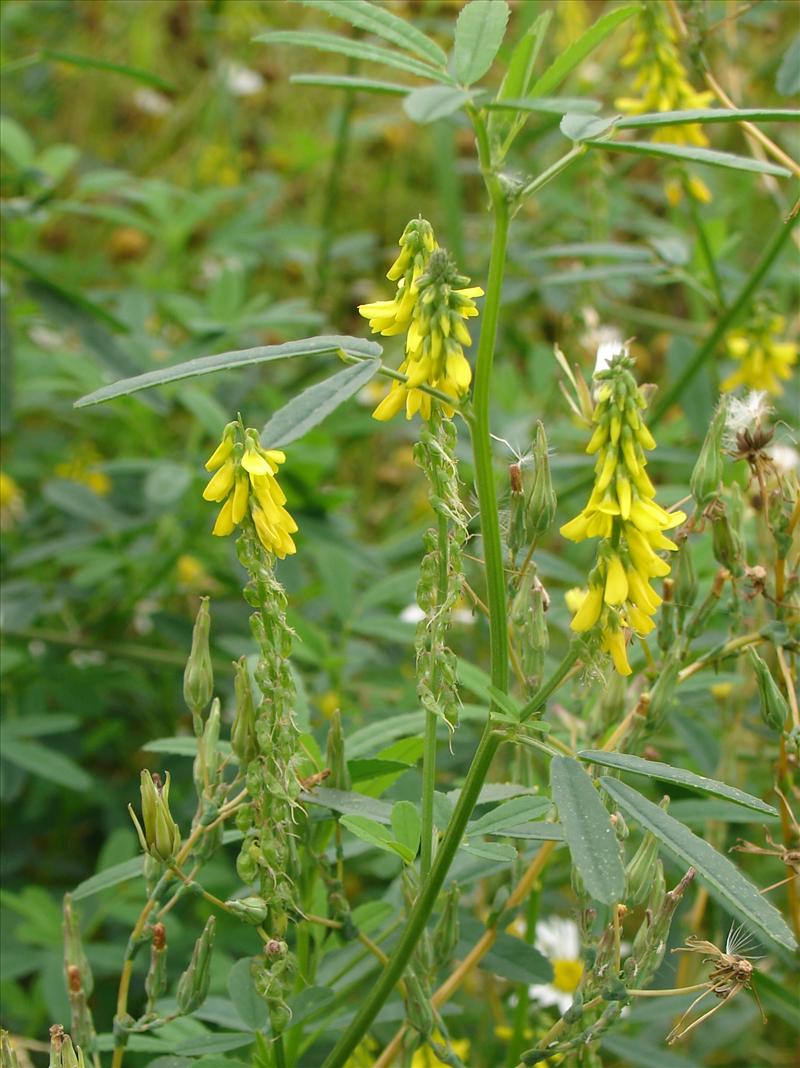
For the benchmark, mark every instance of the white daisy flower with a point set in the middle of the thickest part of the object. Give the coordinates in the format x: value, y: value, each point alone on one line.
x: 559, y: 941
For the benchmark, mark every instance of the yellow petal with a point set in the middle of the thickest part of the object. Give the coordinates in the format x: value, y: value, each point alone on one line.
x: 391, y: 404
x: 221, y: 483
x: 224, y: 524
x: 589, y: 611
x: 616, y: 590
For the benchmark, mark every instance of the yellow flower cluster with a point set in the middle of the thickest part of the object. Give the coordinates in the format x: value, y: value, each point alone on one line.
x: 663, y: 85
x: 81, y: 467
x: 622, y: 511
x: 244, y: 478
x: 431, y: 301
x: 763, y: 360
x: 12, y: 502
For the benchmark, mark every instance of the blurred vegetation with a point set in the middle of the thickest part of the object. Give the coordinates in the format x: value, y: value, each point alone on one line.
x: 186, y: 199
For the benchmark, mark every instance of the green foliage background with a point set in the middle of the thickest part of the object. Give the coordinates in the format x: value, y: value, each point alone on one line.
x: 152, y: 214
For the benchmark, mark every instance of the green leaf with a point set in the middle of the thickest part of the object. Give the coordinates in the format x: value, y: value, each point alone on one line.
x: 314, y: 404
x: 656, y: 770
x: 580, y: 49
x: 724, y: 881
x: 588, y: 830
x: 344, y: 46
x: 185, y: 746
x: 787, y: 80
x: 349, y: 81
x: 508, y: 814
x: 90, y: 62
x: 636, y: 1052
x: 498, y: 852
x: 710, y: 157
x: 433, y: 102
x: 517, y: 79
x: 708, y: 115
x: 326, y: 345
x: 549, y: 105
x: 371, y: 738
x: 778, y: 998
x: 375, y: 834
x: 506, y: 702
x: 536, y: 832
x: 695, y: 812
x: 406, y: 825
x: 511, y: 958
x: 249, y: 1004
x: 378, y: 20
x: 16, y: 143
x: 33, y: 725
x: 350, y: 803
x: 582, y: 127
x: 46, y: 762
x: 110, y: 877
x: 480, y: 30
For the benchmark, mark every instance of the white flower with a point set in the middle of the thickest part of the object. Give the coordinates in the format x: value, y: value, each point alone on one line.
x: 559, y: 941
x: 611, y: 345
x: 151, y: 102
x: 240, y: 80
x: 412, y: 613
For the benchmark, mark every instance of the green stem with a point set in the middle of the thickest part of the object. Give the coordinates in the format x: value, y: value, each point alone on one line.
x: 496, y: 599
x: 725, y: 321
x: 429, y: 750
x: 333, y: 189
x: 705, y: 245
x: 560, y: 164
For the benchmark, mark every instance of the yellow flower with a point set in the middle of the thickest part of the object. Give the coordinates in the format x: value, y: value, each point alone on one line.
x: 431, y: 301
x: 424, y: 1057
x: 12, y: 502
x: 244, y: 478
x: 623, y: 512
x: 763, y: 360
x: 80, y: 467
x: 662, y: 84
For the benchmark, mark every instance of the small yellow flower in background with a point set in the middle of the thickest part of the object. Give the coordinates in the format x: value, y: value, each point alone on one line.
x: 663, y: 85
x: 81, y: 467
x: 431, y: 301
x: 763, y: 359
x: 192, y: 575
x: 424, y: 1057
x: 12, y: 502
x: 622, y: 511
x: 244, y: 478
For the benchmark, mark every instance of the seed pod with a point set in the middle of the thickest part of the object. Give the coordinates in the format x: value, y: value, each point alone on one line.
x: 161, y: 837
x: 725, y: 540
x: 62, y: 1052
x: 541, y: 506
x: 774, y: 709
x: 335, y: 754
x: 193, y: 984
x: 250, y: 909
x: 707, y: 474
x: 206, y: 764
x: 198, y: 678
x: 155, y: 982
x: 243, y: 731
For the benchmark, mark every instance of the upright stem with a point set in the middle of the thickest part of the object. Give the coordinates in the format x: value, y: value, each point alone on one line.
x: 429, y: 750
x: 487, y: 747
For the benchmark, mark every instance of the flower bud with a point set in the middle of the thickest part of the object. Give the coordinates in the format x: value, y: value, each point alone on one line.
x: 249, y: 909
x: 707, y: 474
x: 62, y: 1053
x: 74, y: 956
x: 243, y: 731
x: 516, y: 522
x: 418, y: 1006
x: 662, y: 694
x: 155, y: 982
x: 685, y: 583
x: 161, y: 837
x: 541, y: 506
x: 206, y: 765
x: 198, y: 678
x: 8, y: 1055
x: 193, y: 984
x: 445, y: 935
x: 774, y: 709
x: 725, y: 540
x: 641, y: 871
x: 666, y: 622
x: 335, y: 754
